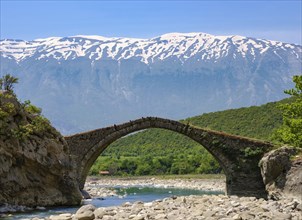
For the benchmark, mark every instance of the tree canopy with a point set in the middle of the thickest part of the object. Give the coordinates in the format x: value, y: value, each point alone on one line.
x: 7, y: 82
x: 291, y: 130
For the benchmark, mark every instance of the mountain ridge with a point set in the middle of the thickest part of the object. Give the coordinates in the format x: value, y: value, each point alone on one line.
x: 83, y: 84
x: 181, y: 43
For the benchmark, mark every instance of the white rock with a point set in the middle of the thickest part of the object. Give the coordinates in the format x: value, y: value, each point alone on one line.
x: 86, y: 212
x: 148, y: 204
x: 237, y: 217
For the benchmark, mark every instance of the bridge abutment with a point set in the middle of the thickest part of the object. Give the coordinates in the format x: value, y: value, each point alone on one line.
x: 242, y: 184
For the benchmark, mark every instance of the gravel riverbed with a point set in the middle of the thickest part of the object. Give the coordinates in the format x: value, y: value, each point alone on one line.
x: 209, y: 207
x: 193, y: 208
x: 99, y: 188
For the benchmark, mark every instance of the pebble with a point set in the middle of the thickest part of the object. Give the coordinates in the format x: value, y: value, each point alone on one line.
x: 196, y: 207
x: 99, y: 213
x: 66, y: 216
x: 98, y: 192
x: 7, y: 208
x: 86, y: 212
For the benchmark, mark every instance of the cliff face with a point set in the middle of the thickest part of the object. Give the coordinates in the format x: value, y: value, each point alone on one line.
x: 36, y: 168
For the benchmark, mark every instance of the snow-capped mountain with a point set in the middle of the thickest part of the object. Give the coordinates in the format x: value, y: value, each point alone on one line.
x: 85, y: 82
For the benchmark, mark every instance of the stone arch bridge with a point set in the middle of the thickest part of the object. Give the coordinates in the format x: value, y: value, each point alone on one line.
x: 238, y: 156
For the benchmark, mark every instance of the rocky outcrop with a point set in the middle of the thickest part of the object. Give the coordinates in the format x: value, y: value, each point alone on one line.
x: 282, y: 174
x: 35, y: 163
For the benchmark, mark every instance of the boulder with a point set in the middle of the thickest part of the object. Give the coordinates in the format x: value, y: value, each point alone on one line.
x: 281, y: 174
x: 99, y: 213
x: 86, y: 212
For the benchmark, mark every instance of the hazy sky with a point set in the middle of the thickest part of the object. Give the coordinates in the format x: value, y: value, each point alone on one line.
x: 274, y: 20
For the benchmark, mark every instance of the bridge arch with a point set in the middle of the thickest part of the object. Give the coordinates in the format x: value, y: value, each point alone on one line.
x: 237, y: 156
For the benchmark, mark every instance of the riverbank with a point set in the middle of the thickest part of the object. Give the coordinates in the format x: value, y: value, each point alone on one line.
x: 210, y: 207
x: 195, y: 207
x: 190, y: 207
x: 98, y: 187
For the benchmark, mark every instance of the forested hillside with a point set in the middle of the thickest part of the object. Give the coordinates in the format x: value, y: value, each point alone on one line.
x: 255, y: 121
x: 157, y: 151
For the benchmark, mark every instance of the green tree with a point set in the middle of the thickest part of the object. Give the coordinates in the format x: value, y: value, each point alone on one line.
x: 1, y: 83
x: 143, y: 169
x: 7, y: 82
x: 129, y: 166
x: 291, y: 130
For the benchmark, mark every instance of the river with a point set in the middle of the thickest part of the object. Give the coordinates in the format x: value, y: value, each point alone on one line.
x: 124, y: 194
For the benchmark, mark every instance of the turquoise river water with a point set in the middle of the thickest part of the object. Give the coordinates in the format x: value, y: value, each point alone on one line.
x: 125, y: 194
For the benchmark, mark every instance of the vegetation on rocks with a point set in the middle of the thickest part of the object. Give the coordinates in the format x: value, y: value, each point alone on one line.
x: 39, y: 124
x: 36, y: 167
x: 36, y: 123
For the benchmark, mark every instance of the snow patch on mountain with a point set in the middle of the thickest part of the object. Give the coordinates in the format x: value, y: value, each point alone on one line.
x: 85, y: 82
x: 180, y: 45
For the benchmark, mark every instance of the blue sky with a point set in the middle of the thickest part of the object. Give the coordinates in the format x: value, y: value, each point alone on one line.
x: 274, y: 20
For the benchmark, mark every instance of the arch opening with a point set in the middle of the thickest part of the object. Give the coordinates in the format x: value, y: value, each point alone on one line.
x: 118, y: 133
x: 155, y: 151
